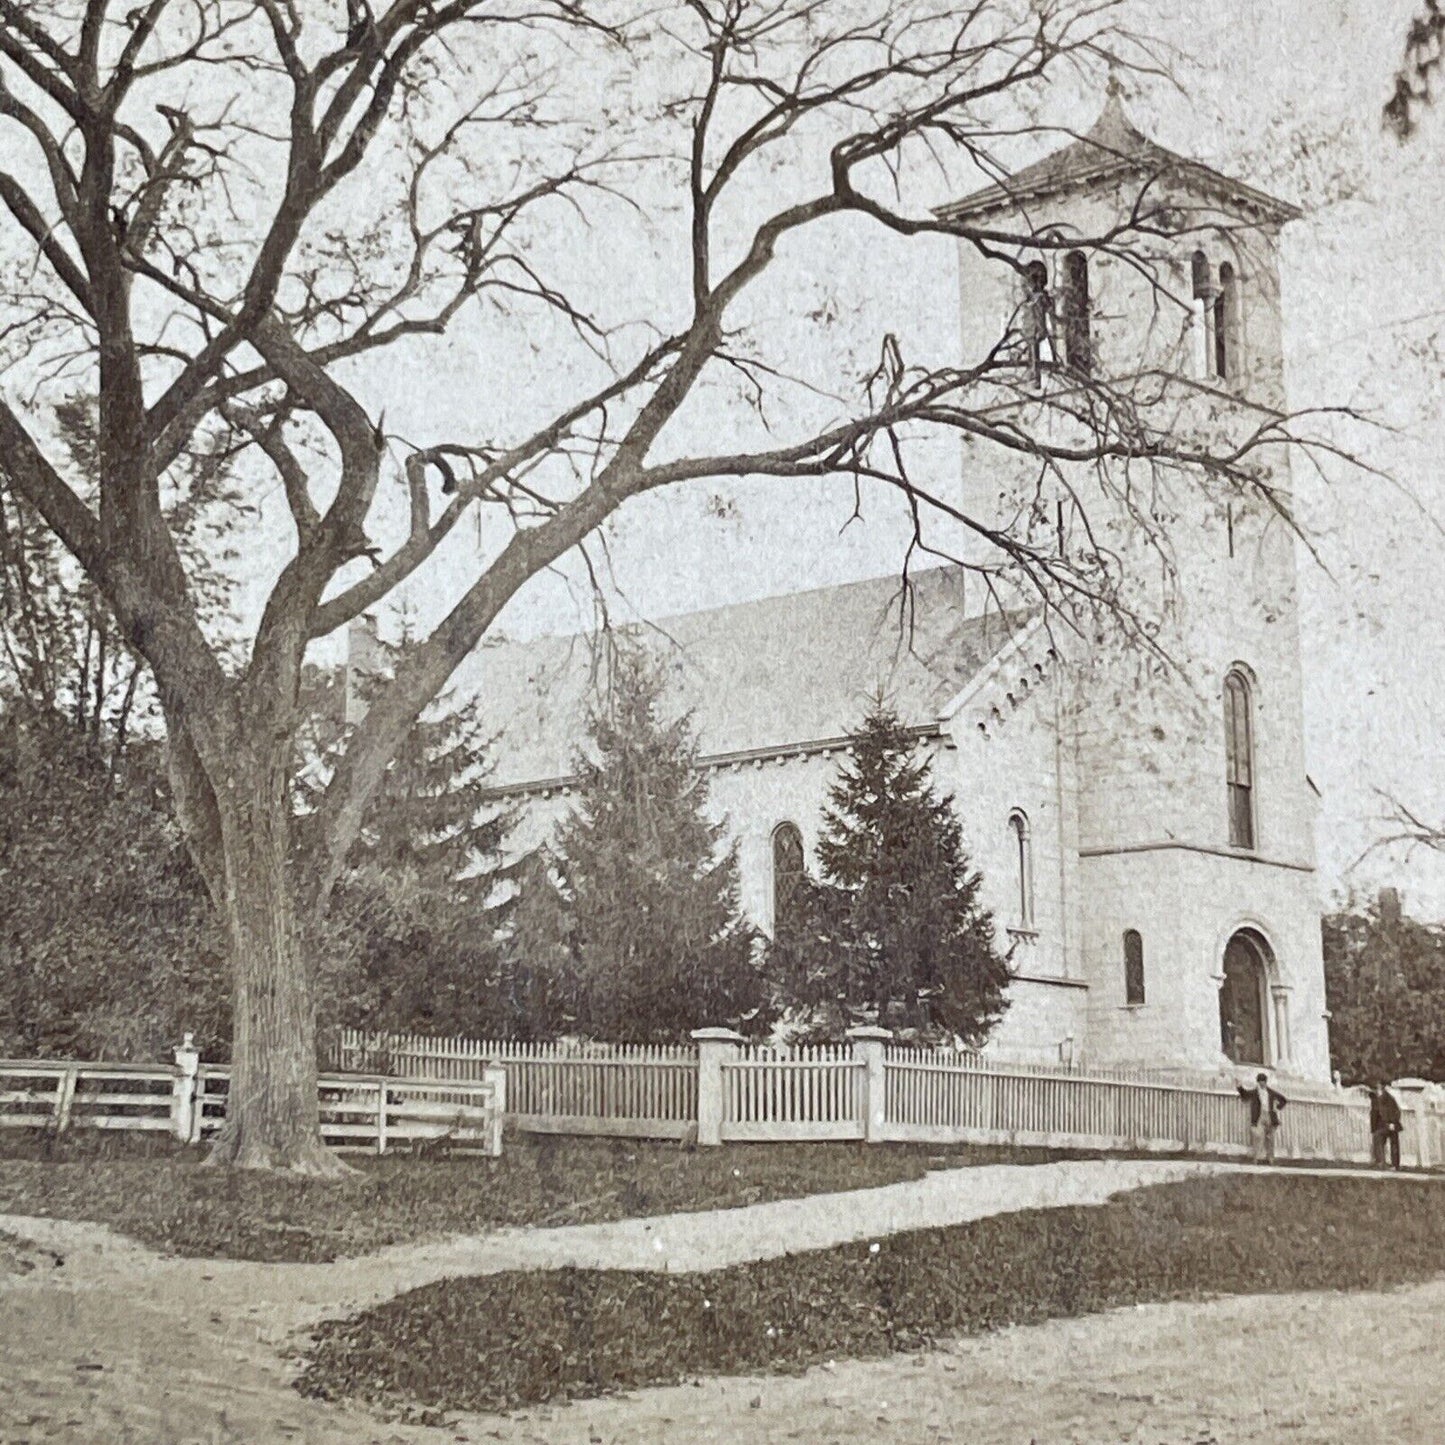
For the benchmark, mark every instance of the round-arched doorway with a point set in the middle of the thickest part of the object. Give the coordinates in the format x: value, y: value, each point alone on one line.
x: 1244, y: 999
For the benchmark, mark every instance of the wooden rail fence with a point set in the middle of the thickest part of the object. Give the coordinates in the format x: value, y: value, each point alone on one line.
x: 721, y: 1089
x: 187, y: 1100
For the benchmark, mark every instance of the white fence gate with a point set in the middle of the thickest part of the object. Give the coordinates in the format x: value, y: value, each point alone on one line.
x: 631, y: 1090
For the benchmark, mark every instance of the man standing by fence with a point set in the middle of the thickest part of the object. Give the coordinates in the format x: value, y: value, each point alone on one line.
x: 1385, y: 1125
x: 1264, y: 1109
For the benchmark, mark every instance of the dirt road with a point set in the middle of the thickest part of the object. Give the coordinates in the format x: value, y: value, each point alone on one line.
x: 117, y: 1344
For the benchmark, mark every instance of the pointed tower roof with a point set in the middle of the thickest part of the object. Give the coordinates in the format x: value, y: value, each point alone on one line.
x: 1113, y: 147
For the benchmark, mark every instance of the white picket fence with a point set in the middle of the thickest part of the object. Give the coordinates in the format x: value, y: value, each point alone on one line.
x: 723, y: 1089
x: 632, y: 1090
x: 188, y: 1101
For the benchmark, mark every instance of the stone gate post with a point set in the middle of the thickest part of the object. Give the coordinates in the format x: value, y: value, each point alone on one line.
x: 713, y: 1047
x: 868, y: 1043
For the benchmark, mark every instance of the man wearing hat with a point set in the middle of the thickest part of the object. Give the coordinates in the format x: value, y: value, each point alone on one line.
x: 1264, y: 1107
x: 1384, y: 1126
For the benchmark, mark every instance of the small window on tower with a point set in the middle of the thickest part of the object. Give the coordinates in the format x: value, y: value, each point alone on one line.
x: 1133, y: 967
x: 1204, y: 294
x: 1226, y: 325
x: 1037, y: 317
x: 1078, y: 342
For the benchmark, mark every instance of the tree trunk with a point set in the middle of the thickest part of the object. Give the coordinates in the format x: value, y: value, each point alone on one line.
x: 271, y: 1112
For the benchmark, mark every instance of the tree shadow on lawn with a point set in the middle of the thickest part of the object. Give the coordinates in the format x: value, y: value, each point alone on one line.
x: 498, y: 1342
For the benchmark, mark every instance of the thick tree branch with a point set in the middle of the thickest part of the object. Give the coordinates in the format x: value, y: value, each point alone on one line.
x: 28, y: 215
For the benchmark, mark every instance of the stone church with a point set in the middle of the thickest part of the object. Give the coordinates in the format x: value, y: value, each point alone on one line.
x: 1145, y: 833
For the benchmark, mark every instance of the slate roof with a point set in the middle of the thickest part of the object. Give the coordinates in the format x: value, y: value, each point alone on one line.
x: 779, y: 672
x: 1113, y: 147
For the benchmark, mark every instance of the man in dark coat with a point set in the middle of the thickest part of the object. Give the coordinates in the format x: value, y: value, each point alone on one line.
x: 1385, y: 1125
x: 1264, y: 1109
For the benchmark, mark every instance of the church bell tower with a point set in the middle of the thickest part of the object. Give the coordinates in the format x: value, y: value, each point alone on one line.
x: 1139, y: 278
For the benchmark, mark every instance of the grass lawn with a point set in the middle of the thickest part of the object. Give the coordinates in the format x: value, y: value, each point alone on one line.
x: 160, y: 1194
x: 502, y: 1341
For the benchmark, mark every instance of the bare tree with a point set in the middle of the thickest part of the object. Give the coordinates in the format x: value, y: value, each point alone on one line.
x: 230, y: 213
x: 1409, y: 828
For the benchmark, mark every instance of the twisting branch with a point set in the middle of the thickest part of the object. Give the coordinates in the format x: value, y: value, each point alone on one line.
x: 268, y: 434
x: 369, y: 184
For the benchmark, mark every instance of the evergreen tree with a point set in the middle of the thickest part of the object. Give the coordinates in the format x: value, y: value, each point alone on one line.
x: 895, y: 932
x: 645, y: 928
x: 108, y: 944
x: 413, y: 937
x: 1385, y: 984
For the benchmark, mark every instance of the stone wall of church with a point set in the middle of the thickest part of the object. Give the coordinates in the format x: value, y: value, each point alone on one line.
x: 1154, y: 807
x: 991, y: 778
x: 1006, y: 761
x: 1187, y: 905
x: 1046, y: 1023
x: 752, y: 799
x: 1150, y: 732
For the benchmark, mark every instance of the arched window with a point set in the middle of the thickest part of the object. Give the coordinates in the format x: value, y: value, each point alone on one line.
x: 1199, y: 270
x: 1078, y: 343
x: 1037, y: 315
x: 1239, y: 758
x: 1204, y: 294
x: 1133, y: 966
x: 787, y: 870
x: 1024, y: 869
x: 1226, y: 325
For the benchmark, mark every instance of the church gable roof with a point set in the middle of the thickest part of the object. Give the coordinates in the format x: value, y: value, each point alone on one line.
x: 776, y: 673
x: 1112, y: 148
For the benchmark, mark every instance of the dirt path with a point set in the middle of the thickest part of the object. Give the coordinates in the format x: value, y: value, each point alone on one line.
x: 1257, y: 1370
x: 119, y: 1344
x: 289, y: 1297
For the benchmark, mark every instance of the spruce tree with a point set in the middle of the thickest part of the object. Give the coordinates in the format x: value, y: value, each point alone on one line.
x: 653, y: 943
x: 413, y: 937
x: 895, y: 931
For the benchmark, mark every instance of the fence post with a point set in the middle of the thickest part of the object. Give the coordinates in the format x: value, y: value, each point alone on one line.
x: 868, y: 1042
x: 184, y: 1123
x: 713, y: 1046
x: 64, y: 1098
x: 497, y: 1078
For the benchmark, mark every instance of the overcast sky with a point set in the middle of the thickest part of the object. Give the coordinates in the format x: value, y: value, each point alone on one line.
x: 1286, y: 93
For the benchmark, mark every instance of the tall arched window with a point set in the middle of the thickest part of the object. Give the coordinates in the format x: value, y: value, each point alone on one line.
x: 1204, y: 293
x: 1037, y: 315
x: 1226, y: 324
x: 1078, y: 343
x: 787, y: 870
x: 1133, y: 966
x: 1239, y: 758
x: 1024, y: 869
x: 1199, y: 274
